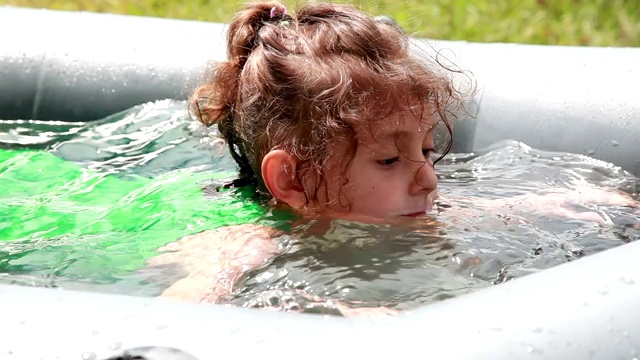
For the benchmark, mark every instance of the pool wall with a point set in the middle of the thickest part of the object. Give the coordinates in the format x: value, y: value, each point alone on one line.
x: 76, y: 66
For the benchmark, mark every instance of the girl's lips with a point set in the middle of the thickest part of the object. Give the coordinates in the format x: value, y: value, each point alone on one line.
x: 425, y: 212
x: 416, y: 214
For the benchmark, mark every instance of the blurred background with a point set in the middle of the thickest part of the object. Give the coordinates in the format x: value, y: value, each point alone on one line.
x: 560, y: 22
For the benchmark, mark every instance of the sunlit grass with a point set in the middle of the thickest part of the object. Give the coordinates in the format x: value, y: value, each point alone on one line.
x: 566, y: 22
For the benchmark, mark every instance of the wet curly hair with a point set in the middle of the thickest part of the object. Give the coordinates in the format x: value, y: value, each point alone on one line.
x: 307, y: 81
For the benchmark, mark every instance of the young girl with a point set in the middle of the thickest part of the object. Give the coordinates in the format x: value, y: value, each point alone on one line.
x: 329, y: 114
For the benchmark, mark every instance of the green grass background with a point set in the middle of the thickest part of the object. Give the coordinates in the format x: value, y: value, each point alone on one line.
x: 565, y: 22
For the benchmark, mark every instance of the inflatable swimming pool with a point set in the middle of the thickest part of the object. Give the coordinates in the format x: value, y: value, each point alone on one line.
x: 82, y: 66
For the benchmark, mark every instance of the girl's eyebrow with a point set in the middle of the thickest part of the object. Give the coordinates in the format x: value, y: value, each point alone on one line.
x: 396, y: 134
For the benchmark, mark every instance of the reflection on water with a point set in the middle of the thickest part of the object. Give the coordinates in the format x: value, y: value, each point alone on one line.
x: 96, y: 200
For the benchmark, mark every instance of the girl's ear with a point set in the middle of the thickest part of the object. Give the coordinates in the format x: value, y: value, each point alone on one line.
x: 279, y: 175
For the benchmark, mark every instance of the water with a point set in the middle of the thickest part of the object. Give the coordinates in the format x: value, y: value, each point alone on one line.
x: 92, y: 208
x: 89, y: 204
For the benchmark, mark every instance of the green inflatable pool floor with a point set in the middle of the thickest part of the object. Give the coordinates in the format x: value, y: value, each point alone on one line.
x: 56, y: 213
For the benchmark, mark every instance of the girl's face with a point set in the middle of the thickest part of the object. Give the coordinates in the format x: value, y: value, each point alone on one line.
x: 391, y: 176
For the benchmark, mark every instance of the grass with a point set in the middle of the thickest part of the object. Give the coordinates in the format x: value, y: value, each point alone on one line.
x: 564, y: 22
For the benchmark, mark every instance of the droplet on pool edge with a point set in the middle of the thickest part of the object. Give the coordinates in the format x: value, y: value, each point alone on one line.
x: 88, y: 356
x: 627, y: 280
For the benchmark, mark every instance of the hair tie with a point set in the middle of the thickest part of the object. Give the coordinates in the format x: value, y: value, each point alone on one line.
x: 284, y: 18
x: 274, y: 12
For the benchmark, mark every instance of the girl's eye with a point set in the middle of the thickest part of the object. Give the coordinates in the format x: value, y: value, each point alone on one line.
x: 387, y: 162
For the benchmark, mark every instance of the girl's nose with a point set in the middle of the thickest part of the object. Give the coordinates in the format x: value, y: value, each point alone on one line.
x: 425, y: 179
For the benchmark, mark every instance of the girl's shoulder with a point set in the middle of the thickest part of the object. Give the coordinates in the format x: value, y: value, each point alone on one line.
x: 214, y: 259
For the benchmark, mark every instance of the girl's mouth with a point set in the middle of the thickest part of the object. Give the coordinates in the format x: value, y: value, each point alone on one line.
x: 416, y: 214
x: 429, y: 210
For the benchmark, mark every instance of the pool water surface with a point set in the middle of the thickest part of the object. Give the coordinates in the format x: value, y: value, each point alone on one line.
x: 84, y: 205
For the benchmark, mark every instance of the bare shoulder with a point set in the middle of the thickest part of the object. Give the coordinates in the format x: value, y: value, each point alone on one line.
x: 214, y: 259
x: 224, y: 239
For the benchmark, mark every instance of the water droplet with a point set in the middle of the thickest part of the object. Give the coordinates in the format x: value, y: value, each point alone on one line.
x: 536, y: 329
x: 116, y: 345
x: 627, y: 280
x: 529, y: 349
x: 151, y: 67
x: 89, y: 356
x: 603, y: 291
x: 615, y: 143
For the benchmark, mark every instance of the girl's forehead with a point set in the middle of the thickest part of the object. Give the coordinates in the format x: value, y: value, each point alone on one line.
x: 403, y: 125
